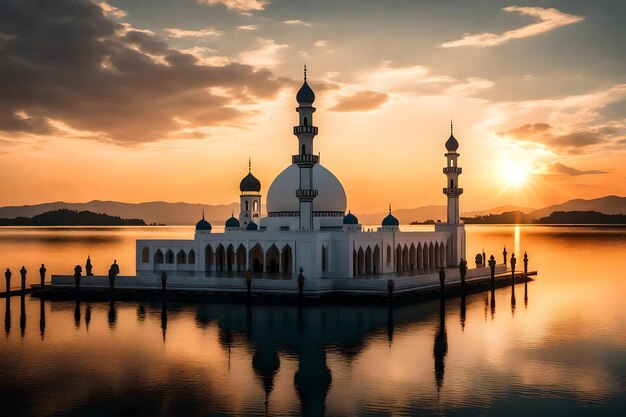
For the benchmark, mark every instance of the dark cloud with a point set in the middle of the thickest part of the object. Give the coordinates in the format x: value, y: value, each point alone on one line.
x: 66, y: 61
x: 558, y: 168
x: 360, y: 101
x: 572, y: 142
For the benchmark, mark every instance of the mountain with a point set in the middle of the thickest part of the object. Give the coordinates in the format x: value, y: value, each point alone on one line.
x: 406, y: 216
x: 152, y: 212
x: 65, y: 217
x: 611, y: 204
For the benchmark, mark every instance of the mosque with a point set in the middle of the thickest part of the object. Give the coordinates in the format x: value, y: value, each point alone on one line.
x: 308, y: 231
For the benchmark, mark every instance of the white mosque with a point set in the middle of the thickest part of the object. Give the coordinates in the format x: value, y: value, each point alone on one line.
x: 308, y: 230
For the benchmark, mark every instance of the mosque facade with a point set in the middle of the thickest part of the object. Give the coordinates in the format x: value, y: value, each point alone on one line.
x: 307, y: 228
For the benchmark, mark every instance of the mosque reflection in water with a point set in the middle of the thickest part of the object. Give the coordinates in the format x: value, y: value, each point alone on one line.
x: 304, y: 333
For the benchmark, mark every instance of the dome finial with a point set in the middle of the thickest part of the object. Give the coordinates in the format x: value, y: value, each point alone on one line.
x: 304, y: 70
x: 249, y: 164
x: 451, y: 128
x: 202, y: 214
x: 389, y: 208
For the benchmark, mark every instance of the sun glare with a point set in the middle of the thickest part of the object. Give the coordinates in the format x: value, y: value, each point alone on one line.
x: 517, y: 175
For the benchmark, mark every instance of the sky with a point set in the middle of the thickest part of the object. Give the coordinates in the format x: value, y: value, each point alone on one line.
x: 146, y: 100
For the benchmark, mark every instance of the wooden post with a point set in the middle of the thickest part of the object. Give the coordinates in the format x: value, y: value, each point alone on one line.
x: 513, y: 263
x: 492, y: 268
x: 7, y: 277
x: 23, y: 276
x: 77, y: 276
x: 42, y: 275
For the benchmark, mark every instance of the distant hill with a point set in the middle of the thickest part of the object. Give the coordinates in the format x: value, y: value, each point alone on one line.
x: 611, y: 204
x: 509, y: 217
x: 65, y: 217
x: 497, y: 210
x: 582, y: 217
x: 159, y: 212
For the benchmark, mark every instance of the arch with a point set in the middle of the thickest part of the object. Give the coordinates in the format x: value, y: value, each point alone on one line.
x: 405, y: 258
x: 437, y: 260
x: 158, y: 257
x: 303, y: 150
x: 241, y: 258
x: 219, y: 258
x: 191, y: 258
x: 398, y: 258
x: 442, y: 253
x: 272, y: 260
x: 368, y: 260
x: 230, y: 258
x: 287, y: 260
x: 426, y: 256
x: 355, y: 269
x: 245, y: 206
x: 255, y: 259
x: 412, y: 257
x: 388, y: 255
x: 169, y: 257
x: 208, y: 258
x: 420, y: 257
x: 181, y: 257
x: 360, y: 261
x: 451, y: 183
x: 145, y: 255
x: 255, y: 205
x: 431, y: 256
x: 324, y: 258
x: 376, y: 261
x: 306, y: 121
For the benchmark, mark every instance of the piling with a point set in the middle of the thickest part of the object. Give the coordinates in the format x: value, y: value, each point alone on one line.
x: 513, y: 263
x: 300, y: 284
x: 77, y: 276
x: 7, y: 277
x: 163, y: 281
x: 23, y: 276
x: 492, y: 268
x: 442, y: 280
x: 463, y: 271
x: 504, y: 253
x: 42, y: 275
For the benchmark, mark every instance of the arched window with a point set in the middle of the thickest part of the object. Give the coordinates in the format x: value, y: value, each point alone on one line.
x: 145, y: 255
x: 388, y: 255
x: 169, y: 257
x: 245, y: 205
x: 303, y: 151
x: 255, y: 205
x: 451, y: 183
x: 323, y: 258
x: 192, y: 257
x: 306, y: 121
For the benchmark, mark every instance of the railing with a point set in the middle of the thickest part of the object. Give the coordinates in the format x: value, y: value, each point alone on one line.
x: 306, y: 193
x: 453, y: 191
x: 304, y: 129
x: 457, y: 170
x: 307, y: 158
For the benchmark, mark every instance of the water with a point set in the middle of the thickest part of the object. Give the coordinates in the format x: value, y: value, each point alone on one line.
x: 560, y: 351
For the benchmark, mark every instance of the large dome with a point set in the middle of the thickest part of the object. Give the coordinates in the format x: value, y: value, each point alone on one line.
x: 281, y: 197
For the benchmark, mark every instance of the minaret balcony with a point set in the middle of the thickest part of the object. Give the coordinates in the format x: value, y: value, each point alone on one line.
x: 452, y: 170
x: 306, y: 194
x: 453, y: 192
x: 305, y: 129
x: 306, y: 159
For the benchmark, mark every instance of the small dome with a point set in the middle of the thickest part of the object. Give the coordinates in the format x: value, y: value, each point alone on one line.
x: 250, y: 183
x: 390, y: 221
x: 232, y: 222
x: 305, y: 94
x: 203, y: 225
x: 452, y: 144
x: 350, y: 219
x: 252, y: 226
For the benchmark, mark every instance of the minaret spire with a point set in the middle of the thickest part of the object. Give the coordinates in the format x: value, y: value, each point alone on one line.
x: 249, y: 164
x: 304, y: 70
x: 451, y: 128
x: 389, y: 208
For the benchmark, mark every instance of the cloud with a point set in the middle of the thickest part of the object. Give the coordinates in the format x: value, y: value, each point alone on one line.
x: 469, y: 87
x: 247, y: 27
x: 360, y: 101
x: 268, y: 55
x: 296, y: 22
x: 571, y: 142
x: 238, y: 5
x: 99, y: 79
x: 321, y: 44
x: 549, y: 19
x: 557, y: 168
x: 186, y: 33
x: 112, y: 11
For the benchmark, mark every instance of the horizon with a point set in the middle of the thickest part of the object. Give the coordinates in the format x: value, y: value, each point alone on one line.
x: 167, y: 101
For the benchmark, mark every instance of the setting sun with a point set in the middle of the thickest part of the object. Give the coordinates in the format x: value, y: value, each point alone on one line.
x: 517, y: 175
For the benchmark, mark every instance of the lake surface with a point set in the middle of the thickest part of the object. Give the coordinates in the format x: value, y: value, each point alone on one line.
x: 557, y: 347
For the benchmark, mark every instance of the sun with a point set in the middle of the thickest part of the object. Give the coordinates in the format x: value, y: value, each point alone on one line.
x: 517, y: 175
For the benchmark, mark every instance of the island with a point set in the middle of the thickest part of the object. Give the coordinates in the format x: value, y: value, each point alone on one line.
x: 556, y: 217
x: 65, y: 217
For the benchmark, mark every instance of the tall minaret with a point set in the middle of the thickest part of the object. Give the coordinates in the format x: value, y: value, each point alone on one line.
x: 452, y: 171
x: 305, y: 131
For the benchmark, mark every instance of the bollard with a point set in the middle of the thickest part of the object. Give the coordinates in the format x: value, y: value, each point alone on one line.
x: 42, y: 275
x: 163, y: 280
x: 525, y: 265
x: 7, y: 277
x: 442, y: 279
x: 504, y: 253
x: 463, y: 271
x: 390, y: 286
x: 23, y: 276
x: 111, y: 279
x: 77, y: 275
x: 492, y: 267
x: 484, y: 259
x: 300, y: 283
x: 513, y: 263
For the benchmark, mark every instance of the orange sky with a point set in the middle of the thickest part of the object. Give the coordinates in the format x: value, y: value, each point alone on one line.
x: 171, y: 105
